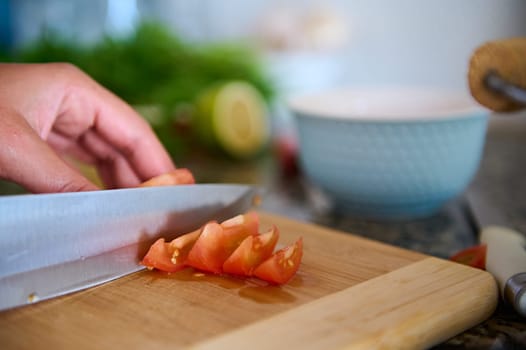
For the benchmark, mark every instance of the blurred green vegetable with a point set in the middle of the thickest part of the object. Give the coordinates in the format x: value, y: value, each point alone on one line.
x: 153, y: 66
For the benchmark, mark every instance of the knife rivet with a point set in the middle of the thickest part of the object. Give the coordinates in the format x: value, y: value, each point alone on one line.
x: 32, y: 298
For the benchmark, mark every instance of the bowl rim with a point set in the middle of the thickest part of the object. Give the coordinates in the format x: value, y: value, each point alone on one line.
x: 299, y: 104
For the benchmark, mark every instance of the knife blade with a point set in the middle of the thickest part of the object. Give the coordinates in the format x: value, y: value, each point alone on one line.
x: 506, y: 249
x: 54, y: 244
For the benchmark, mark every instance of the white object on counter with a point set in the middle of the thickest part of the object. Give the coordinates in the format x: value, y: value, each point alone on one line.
x: 506, y: 261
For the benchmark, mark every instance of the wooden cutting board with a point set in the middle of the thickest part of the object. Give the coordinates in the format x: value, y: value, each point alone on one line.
x: 349, y: 292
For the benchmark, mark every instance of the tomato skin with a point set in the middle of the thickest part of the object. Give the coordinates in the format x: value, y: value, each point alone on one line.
x: 282, y: 265
x: 159, y: 256
x: 473, y: 256
x: 206, y: 248
x: 251, y: 253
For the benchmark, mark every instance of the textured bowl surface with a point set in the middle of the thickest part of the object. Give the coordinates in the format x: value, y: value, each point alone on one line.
x: 400, y: 153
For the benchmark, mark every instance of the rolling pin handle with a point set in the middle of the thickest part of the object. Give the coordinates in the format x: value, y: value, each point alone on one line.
x: 497, y: 84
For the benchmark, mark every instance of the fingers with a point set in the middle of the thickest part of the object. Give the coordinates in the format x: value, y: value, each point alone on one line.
x: 70, y: 147
x: 113, y: 167
x: 64, y: 106
x: 122, y: 141
x: 27, y: 160
x: 130, y: 134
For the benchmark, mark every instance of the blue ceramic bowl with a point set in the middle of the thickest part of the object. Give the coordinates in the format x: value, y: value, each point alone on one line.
x: 389, y: 153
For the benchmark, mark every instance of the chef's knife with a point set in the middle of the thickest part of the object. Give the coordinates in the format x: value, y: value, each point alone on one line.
x: 53, y: 244
x: 506, y: 249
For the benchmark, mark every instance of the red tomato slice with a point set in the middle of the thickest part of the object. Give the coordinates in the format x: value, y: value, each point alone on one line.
x: 170, y: 257
x: 251, y: 252
x: 181, y: 176
x: 214, y: 246
x: 282, y: 265
x: 181, y: 246
x: 474, y: 256
x: 159, y: 256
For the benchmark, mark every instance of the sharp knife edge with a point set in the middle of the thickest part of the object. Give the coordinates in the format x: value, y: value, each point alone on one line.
x: 506, y: 249
x: 53, y: 281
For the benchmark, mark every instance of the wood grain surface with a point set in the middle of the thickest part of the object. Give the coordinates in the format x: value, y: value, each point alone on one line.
x: 349, y: 291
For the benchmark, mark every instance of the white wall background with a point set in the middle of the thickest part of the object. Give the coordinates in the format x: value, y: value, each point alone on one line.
x: 402, y: 41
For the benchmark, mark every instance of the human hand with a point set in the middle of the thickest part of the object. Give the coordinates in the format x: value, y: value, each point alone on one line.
x: 49, y: 111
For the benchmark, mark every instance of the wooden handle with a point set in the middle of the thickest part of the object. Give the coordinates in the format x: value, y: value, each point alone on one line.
x: 507, y: 58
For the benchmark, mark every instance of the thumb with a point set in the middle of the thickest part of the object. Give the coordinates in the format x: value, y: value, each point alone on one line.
x: 30, y: 162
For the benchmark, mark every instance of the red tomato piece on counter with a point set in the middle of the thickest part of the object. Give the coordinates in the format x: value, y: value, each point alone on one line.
x: 214, y: 246
x: 474, y: 256
x: 170, y: 257
x: 251, y: 253
x: 282, y: 265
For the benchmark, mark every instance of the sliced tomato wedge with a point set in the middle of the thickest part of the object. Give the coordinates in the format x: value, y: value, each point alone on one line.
x: 233, y: 247
x: 218, y: 241
x: 170, y: 257
x: 251, y: 253
x: 181, y: 176
x: 213, y: 247
x: 282, y: 265
x: 159, y: 257
x: 474, y: 256
x: 246, y: 223
x: 181, y: 246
